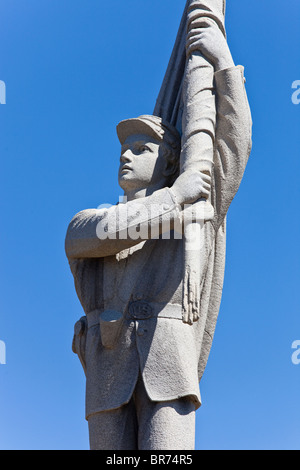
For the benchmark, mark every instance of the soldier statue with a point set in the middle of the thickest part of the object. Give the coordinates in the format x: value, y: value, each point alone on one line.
x: 142, y: 349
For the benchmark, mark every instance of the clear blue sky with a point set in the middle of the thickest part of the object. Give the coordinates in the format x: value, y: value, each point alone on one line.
x: 73, y: 69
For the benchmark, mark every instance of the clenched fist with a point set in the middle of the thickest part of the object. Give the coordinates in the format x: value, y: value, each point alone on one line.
x: 205, y: 36
x: 191, y: 186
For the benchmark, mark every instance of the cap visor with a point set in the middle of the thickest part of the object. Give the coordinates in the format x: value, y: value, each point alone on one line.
x: 135, y: 127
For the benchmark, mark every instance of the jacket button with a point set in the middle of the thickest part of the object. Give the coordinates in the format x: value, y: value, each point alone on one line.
x: 141, y: 331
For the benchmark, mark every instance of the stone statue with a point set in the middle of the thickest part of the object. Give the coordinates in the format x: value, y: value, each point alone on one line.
x: 149, y: 270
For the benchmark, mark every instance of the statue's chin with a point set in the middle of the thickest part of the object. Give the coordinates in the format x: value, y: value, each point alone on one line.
x: 128, y: 184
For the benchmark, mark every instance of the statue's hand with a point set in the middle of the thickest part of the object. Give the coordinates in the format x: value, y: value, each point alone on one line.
x: 205, y: 36
x: 191, y: 186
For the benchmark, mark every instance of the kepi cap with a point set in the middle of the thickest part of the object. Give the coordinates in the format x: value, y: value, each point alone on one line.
x: 149, y: 125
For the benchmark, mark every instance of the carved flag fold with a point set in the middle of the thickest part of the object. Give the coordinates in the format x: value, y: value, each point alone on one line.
x: 187, y: 101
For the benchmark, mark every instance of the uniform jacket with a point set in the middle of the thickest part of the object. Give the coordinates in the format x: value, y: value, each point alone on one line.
x: 144, y: 277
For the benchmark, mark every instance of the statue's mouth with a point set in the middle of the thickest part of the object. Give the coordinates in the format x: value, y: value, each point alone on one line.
x: 126, y: 168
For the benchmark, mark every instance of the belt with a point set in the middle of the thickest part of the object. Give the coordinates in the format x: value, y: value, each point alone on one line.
x: 142, y: 310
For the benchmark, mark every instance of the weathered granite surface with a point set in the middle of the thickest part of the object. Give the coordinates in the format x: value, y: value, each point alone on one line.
x: 150, y: 293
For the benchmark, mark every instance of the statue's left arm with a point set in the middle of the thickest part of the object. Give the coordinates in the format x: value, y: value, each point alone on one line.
x: 233, y: 132
x: 233, y: 138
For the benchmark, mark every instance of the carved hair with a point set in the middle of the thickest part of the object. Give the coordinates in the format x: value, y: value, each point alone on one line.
x: 172, y: 154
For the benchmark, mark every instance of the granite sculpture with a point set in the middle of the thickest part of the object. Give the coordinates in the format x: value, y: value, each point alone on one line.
x: 149, y: 271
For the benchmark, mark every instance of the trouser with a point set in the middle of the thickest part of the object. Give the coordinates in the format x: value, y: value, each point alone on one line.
x: 144, y: 425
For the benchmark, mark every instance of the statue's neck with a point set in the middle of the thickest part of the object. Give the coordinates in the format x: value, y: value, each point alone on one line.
x: 141, y: 192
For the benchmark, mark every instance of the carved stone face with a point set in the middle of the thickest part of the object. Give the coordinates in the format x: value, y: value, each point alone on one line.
x: 142, y: 163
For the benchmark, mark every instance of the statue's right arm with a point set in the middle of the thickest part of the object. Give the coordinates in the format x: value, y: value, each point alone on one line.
x: 97, y: 233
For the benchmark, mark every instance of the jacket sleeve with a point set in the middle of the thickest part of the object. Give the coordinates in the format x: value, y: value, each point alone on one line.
x: 233, y: 138
x: 96, y: 233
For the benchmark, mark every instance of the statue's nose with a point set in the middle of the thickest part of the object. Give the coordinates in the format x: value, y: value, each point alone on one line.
x: 126, y: 157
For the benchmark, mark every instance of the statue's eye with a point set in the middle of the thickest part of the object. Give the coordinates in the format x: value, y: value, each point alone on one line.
x: 144, y: 148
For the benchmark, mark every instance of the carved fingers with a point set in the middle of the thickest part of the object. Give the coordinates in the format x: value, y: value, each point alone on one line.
x: 191, y: 298
x: 206, y: 184
x: 191, y: 185
x: 205, y: 37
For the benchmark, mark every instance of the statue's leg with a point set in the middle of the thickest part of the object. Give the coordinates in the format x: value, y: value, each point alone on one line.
x: 166, y: 425
x: 114, y: 430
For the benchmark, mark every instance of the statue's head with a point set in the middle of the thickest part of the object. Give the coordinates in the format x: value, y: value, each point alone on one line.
x: 150, y: 153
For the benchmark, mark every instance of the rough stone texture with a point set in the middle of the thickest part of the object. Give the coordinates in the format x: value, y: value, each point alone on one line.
x: 133, y: 287
x: 144, y: 425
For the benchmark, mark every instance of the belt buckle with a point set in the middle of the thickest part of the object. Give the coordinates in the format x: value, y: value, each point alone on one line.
x: 140, y: 310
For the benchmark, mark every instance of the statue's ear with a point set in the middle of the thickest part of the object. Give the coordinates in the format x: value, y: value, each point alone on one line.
x: 171, y: 172
x: 170, y: 168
